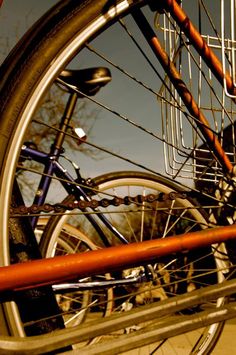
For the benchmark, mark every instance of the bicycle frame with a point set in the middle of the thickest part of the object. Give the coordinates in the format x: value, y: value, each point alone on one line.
x: 76, y: 187
x: 72, y: 186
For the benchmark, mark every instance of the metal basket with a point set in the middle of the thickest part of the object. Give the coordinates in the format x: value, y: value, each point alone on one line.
x: 185, y: 151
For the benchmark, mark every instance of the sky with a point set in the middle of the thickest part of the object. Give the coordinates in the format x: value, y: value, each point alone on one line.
x: 16, y: 17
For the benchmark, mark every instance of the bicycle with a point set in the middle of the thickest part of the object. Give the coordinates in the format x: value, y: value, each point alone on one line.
x: 172, y: 207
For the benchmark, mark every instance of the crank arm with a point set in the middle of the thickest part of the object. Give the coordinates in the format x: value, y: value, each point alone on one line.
x: 88, y: 285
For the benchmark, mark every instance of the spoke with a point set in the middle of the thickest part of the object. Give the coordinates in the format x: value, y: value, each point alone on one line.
x: 177, y: 219
x: 168, y: 220
x: 142, y: 218
x: 78, y: 313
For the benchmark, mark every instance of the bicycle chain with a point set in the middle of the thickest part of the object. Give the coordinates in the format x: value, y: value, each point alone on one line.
x: 94, y: 204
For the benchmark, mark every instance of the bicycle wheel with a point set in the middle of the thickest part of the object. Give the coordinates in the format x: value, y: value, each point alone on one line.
x: 64, y: 37
x: 171, y: 276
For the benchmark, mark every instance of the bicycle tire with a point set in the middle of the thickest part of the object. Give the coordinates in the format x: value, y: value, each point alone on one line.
x: 142, y: 184
x: 32, y: 67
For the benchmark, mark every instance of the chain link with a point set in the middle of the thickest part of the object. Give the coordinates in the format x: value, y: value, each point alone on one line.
x: 94, y: 204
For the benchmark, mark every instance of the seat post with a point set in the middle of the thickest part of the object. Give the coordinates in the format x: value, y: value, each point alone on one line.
x: 65, y: 121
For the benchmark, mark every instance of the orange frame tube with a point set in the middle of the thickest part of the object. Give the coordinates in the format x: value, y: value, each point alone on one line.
x: 199, y: 43
x: 58, y: 269
x: 175, y: 77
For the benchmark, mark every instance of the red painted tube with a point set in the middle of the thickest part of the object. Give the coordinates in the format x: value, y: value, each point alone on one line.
x: 62, y: 268
x: 199, y: 43
x: 181, y: 88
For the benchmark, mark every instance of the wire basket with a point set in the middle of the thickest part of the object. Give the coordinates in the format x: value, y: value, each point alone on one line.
x: 185, y: 151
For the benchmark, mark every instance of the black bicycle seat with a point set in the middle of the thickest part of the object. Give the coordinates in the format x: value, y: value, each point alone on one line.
x: 88, y: 81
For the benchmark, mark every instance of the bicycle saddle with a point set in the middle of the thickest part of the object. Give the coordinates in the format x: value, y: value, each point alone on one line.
x: 88, y: 81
